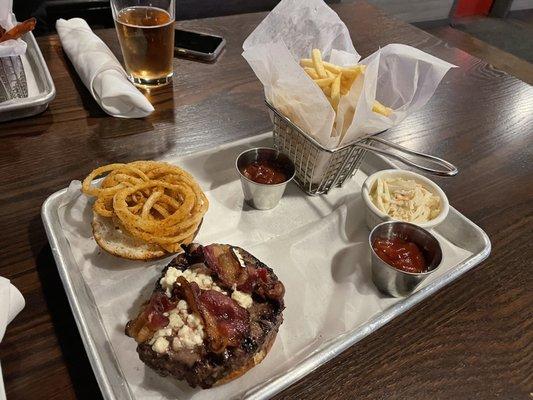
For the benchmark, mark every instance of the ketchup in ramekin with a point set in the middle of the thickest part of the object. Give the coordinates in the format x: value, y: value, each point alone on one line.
x: 401, y: 254
x: 265, y: 172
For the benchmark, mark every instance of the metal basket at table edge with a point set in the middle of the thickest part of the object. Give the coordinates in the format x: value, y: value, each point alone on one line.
x: 13, y: 83
x: 311, y: 158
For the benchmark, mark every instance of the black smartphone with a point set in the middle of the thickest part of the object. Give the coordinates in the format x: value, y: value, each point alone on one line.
x: 197, y: 45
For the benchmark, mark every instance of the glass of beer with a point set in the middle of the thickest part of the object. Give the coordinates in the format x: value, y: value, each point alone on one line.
x: 146, y: 33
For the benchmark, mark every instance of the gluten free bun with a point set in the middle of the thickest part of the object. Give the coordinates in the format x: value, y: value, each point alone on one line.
x: 144, y: 210
x: 112, y: 239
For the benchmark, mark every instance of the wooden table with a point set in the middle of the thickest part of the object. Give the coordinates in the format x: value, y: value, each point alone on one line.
x: 472, y: 340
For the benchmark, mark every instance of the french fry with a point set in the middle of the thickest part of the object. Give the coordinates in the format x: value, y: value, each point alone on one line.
x: 324, y: 82
x: 344, y: 90
x: 318, y: 64
x: 332, y: 68
x: 352, y: 72
x: 346, y: 83
x: 311, y: 72
x: 336, y: 81
x: 381, y: 109
x: 307, y: 62
x: 331, y: 74
x: 336, y: 91
x: 349, y: 75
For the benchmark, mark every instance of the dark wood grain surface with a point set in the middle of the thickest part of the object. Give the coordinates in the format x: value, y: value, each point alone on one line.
x: 500, y: 59
x: 472, y: 340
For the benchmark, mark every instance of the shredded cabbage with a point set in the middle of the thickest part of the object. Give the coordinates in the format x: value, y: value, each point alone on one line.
x: 405, y: 200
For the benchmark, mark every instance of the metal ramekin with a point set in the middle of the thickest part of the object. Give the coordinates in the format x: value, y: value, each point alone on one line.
x: 258, y: 195
x: 395, y: 282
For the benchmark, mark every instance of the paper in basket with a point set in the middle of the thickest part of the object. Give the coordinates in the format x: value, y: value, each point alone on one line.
x: 9, y: 48
x: 399, y: 76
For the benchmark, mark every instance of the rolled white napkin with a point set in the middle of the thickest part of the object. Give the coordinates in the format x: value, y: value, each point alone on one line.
x: 100, y: 71
x: 11, y: 303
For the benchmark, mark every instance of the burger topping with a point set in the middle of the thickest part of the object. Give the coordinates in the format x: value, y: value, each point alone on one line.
x: 228, y: 266
x: 204, y: 281
x: 160, y: 345
x: 224, y: 263
x: 193, y: 307
x: 232, y: 322
x: 185, y: 330
x: 225, y: 321
x: 244, y: 299
x: 151, y: 319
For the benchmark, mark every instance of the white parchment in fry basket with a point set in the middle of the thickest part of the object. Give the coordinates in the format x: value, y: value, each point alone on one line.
x: 399, y: 76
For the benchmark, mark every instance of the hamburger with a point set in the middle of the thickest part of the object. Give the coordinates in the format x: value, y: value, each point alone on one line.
x: 213, y: 315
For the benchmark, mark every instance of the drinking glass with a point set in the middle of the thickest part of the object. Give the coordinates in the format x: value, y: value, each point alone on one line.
x: 145, y: 30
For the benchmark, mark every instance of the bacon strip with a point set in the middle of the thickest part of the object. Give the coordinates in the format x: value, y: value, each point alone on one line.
x: 187, y: 291
x: 190, y: 292
x: 18, y: 30
x: 223, y: 262
x: 225, y: 322
x: 232, y: 321
x: 151, y: 318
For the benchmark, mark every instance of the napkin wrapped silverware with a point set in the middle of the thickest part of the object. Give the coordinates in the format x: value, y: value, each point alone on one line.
x: 100, y: 71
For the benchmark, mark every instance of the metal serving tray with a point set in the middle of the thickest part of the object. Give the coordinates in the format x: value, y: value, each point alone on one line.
x: 456, y: 228
x: 38, y: 77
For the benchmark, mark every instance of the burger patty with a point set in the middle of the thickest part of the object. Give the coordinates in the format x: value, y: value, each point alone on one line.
x: 201, y: 366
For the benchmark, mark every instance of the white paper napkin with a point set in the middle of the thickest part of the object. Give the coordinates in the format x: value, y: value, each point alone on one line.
x: 8, y: 21
x: 11, y: 303
x: 100, y: 71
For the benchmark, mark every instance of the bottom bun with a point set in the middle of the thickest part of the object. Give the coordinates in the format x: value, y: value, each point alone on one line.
x: 255, y: 360
x: 112, y: 239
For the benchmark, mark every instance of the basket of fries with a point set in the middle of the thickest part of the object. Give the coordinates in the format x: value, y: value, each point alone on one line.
x: 319, y: 168
x: 327, y: 107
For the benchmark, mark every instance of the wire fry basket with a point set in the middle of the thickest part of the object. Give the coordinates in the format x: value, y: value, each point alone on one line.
x: 319, y: 169
x: 12, y: 79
